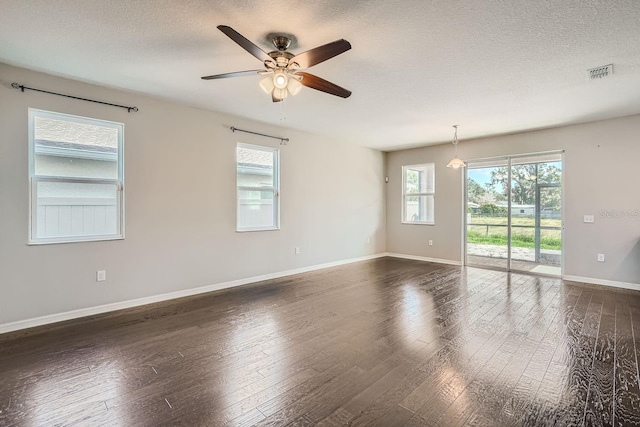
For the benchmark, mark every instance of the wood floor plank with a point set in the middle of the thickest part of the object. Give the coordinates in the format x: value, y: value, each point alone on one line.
x: 501, y: 386
x: 413, y: 381
x: 521, y: 398
x: 384, y: 342
x: 599, y: 408
x: 575, y: 393
x: 537, y: 391
x: 318, y: 403
x: 442, y: 396
x: 626, y: 402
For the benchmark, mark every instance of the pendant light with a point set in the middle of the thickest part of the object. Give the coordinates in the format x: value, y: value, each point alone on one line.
x: 456, y: 163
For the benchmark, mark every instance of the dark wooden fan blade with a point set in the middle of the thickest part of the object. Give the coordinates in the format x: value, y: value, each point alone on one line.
x: 234, y: 74
x: 315, y: 82
x: 321, y: 53
x: 274, y: 99
x: 245, y: 43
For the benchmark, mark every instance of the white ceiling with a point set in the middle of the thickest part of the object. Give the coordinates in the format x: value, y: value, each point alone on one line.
x: 416, y: 67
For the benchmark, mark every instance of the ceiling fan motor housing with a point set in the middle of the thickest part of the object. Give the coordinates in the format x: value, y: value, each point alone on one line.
x: 281, y: 42
x: 280, y: 54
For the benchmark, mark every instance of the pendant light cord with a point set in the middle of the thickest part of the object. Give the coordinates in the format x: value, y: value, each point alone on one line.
x: 455, y: 139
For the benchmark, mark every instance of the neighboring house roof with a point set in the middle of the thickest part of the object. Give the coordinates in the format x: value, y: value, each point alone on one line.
x: 254, y: 157
x: 75, y: 139
x: 256, y: 162
x: 76, y: 151
x: 66, y: 131
x: 74, y: 146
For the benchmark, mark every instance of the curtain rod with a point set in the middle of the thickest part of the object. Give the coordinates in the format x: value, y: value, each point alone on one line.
x: 233, y: 129
x: 23, y: 87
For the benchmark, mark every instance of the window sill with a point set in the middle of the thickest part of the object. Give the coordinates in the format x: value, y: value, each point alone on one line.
x: 418, y: 222
x: 249, y: 229
x: 56, y: 240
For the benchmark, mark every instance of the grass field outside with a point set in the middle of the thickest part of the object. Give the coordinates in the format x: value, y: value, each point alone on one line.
x: 493, y: 231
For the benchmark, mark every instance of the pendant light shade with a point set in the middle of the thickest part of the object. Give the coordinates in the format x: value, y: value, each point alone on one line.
x: 456, y: 163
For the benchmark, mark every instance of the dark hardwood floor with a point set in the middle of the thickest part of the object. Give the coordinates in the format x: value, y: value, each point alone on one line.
x: 386, y: 342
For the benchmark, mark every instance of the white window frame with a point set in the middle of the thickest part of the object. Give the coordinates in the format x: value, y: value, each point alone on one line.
x: 432, y: 168
x: 35, y: 179
x: 275, y: 189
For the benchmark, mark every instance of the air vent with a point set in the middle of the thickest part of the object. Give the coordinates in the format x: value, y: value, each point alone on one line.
x: 600, y: 72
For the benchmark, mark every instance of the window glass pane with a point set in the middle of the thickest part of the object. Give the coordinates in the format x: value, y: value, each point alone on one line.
x: 550, y: 205
x: 255, y: 167
x: 257, y: 181
x: 256, y: 209
x: 549, y: 173
x: 65, y: 209
x: 412, y: 180
x: 65, y: 148
x: 75, y: 149
x: 419, y: 209
x: 419, y: 179
x: 418, y: 197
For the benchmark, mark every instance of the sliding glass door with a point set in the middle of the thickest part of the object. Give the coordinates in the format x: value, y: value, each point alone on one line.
x: 487, y: 219
x: 514, y: 213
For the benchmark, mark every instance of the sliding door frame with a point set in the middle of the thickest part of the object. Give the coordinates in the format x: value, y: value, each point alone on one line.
x: 508, y: 160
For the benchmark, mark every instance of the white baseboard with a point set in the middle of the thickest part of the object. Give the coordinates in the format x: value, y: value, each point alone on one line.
x: 91, y: 311
x: 591, y: 280
x: 422, y: 258
x: 603, y: 282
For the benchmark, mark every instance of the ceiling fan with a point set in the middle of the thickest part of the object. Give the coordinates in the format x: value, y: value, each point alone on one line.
x: 282, y: 68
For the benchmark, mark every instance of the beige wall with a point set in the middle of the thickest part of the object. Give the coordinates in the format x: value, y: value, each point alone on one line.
x: 600, y: 174
x: 180, y: 161
x: 179, y: 204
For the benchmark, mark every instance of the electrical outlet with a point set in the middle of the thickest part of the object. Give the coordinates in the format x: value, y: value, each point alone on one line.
x: 297, y: 251
x: 430, y: 242
x: 589, y: 219
x: 600, y: 257
x: 101, y: 276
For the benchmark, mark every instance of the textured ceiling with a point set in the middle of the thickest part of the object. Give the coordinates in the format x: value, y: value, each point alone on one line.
x: 416, y: 66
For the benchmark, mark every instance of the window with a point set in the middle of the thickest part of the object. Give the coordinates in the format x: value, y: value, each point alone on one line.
x: 258, y: 185
x: 418, y: 190
x: 76, y: 178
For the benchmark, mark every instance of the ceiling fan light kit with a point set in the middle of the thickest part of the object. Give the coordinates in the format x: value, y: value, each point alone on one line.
x: 294, y: 86
x: 280, y: 79
x: 278, y: 94
x: 282, y: 67
x: 267, y: 84
x: 280, y: 91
